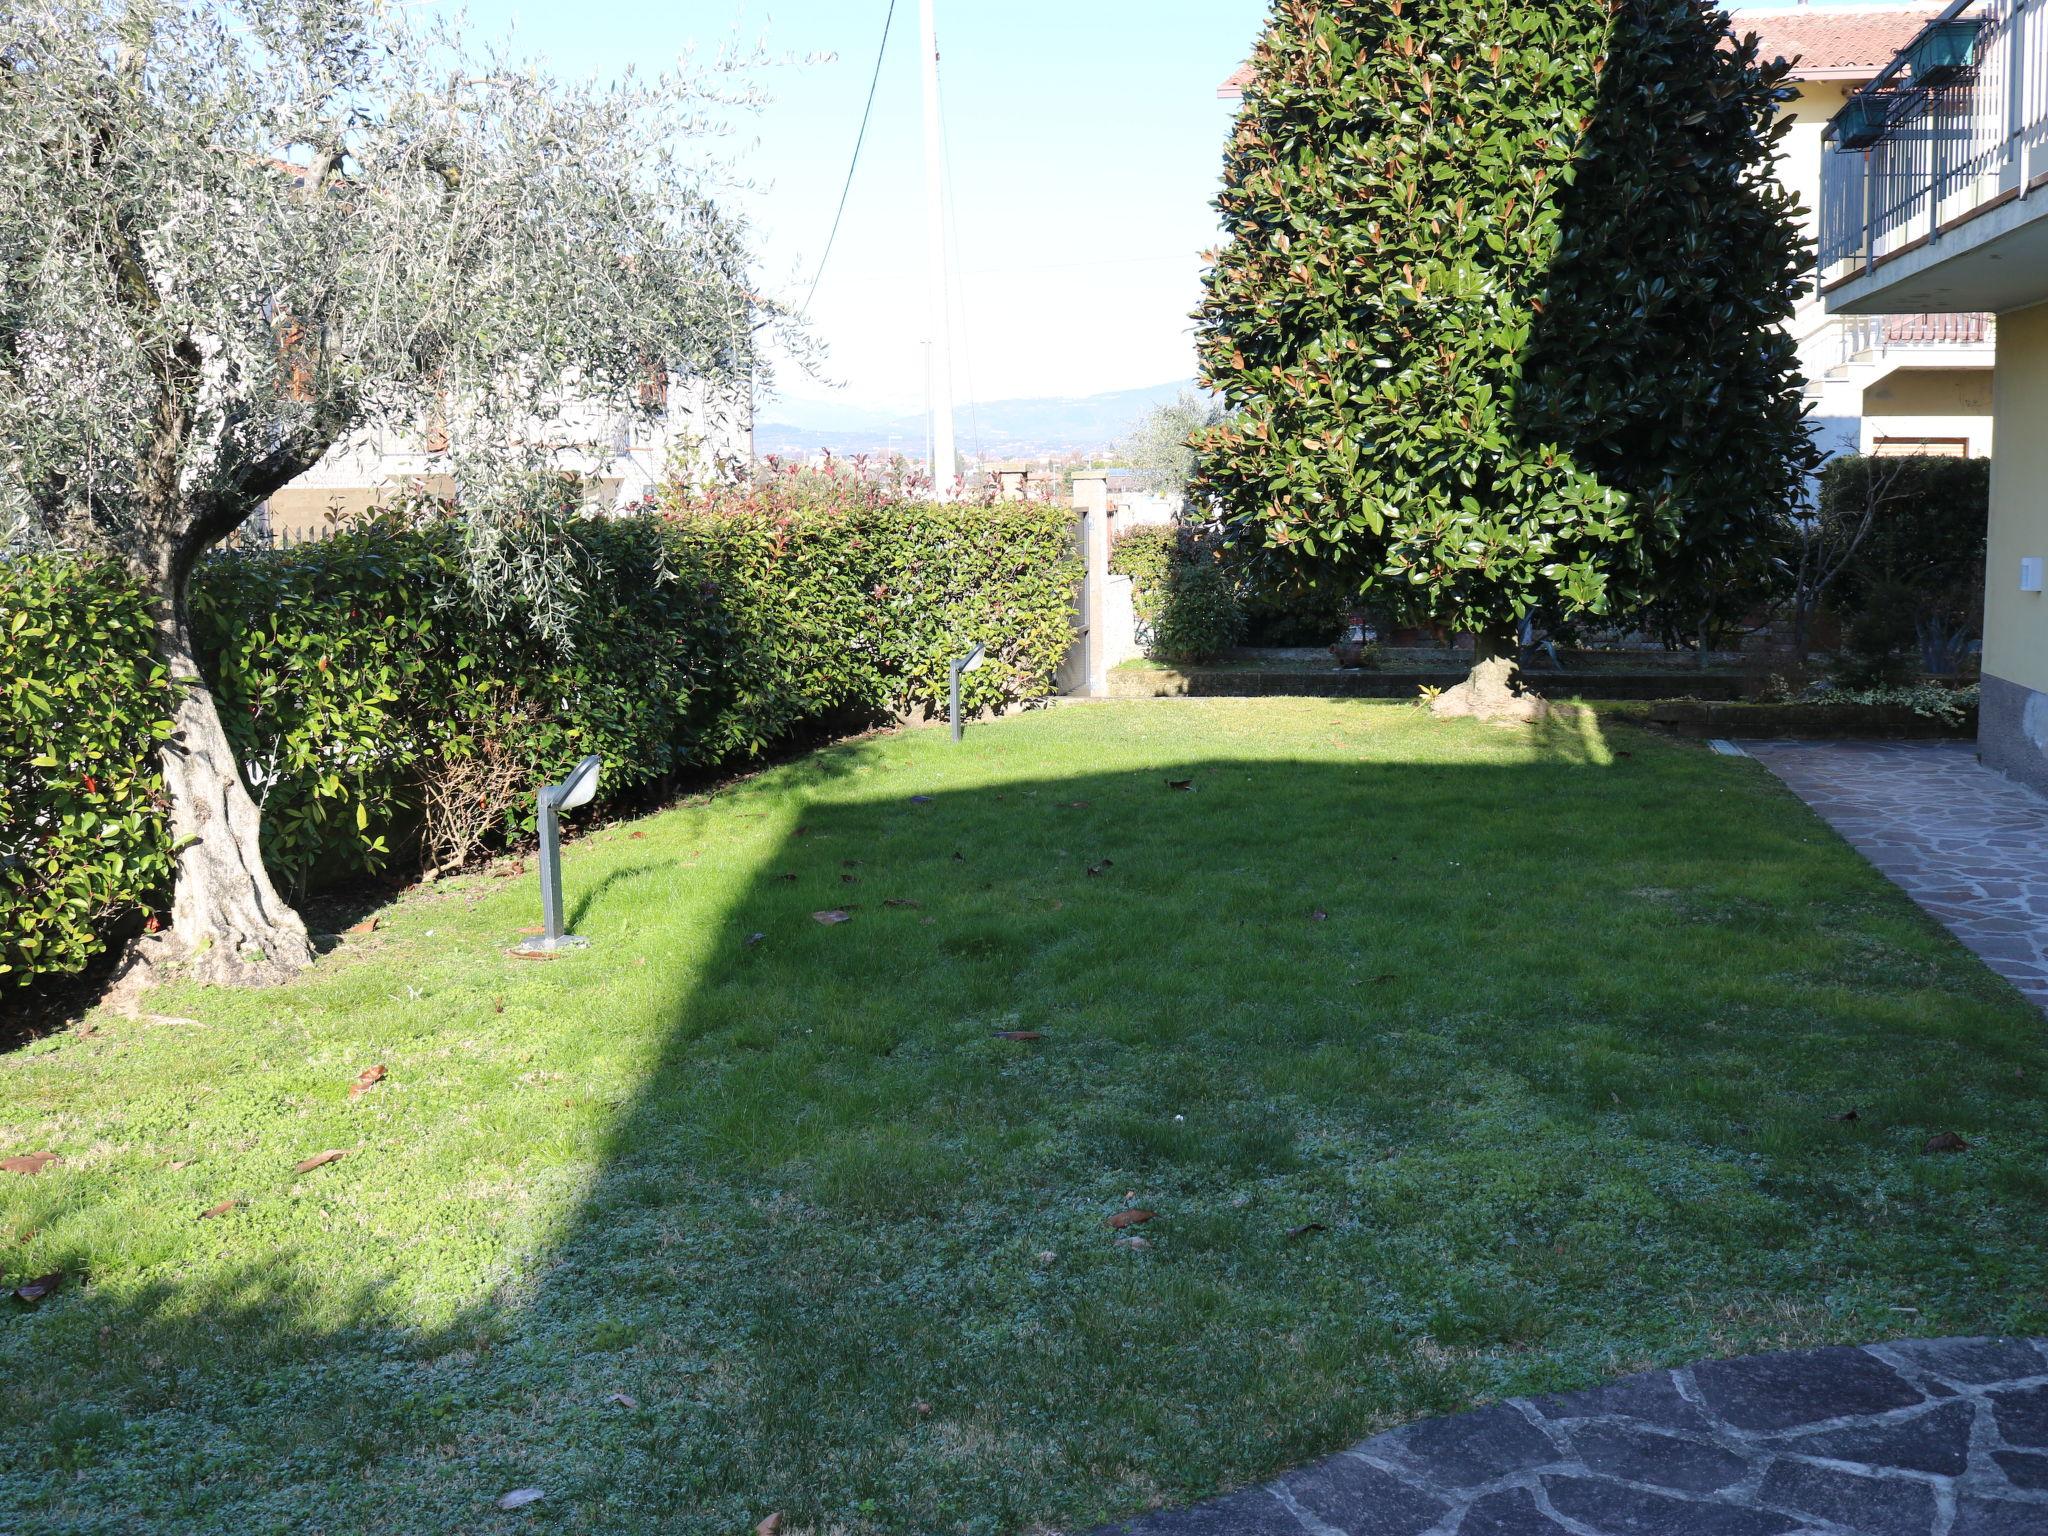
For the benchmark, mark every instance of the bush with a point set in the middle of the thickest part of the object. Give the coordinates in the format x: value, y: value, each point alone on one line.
x: 386, y: 720
x: 1187, y: 604
x: 1911, y: 598
x: 82, y: 708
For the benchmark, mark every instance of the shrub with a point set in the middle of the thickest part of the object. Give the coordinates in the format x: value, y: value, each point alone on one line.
x: 82, y: 709
x: 1911, y: 595
x: 1186, y: 601
x: 386, y: 720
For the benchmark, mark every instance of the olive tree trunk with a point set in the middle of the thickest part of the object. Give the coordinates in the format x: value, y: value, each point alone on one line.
x: 228, y: 923
x: 1493, y: 689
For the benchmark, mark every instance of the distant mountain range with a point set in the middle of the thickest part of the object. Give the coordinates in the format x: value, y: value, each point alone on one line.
x: 1019, y: 429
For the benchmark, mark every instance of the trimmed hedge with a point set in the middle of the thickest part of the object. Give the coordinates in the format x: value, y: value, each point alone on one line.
x: 82, y: 708
x: 385, y: 721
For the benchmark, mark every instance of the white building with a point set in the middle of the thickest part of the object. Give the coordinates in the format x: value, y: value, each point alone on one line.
x: 619, y: 457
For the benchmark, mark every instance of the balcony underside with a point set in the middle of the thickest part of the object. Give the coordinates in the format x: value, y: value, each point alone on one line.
x: 1995, y: 260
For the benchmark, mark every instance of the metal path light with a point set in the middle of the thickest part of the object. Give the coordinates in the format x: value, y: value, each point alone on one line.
x: 967, y: 663
x: 576, y: 790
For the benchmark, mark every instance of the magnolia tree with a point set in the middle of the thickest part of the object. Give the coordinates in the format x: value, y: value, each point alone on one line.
x: 236, y: 233
x: 1500, y: 316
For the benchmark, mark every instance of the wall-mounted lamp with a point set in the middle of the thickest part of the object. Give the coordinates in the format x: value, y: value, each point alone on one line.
x: 967, y: 663
x: 579, y: 789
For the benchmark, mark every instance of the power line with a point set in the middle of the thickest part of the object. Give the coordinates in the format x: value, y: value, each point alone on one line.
x: 847, y: 191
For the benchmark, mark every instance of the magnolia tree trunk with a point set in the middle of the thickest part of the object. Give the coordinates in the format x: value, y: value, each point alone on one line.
x: 1493, y: 689
x: 228, y: 924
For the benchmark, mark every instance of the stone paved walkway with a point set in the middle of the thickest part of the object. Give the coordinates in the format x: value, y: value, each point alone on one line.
x: 1919, y: 1438
x: 1968, y: 844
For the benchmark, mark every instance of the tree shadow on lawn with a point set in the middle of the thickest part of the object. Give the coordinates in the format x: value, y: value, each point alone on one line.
x: 1445, y: 1078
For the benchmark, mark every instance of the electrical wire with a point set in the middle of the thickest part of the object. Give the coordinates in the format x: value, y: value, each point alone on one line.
x: 868, y: 112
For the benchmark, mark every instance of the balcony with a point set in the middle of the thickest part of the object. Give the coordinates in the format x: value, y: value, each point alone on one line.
x: 1934, y: 182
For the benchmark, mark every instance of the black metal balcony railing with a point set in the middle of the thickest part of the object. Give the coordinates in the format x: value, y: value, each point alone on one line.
x: 1958, y: 121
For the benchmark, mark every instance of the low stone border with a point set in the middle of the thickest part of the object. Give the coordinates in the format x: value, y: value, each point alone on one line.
x: 1945, y: 1437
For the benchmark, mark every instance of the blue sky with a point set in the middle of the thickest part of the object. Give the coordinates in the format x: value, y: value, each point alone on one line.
x: 1086, y: 142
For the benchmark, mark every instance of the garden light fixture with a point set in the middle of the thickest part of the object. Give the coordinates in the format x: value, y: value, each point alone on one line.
x: 967, y: 663
x: 579, y: 789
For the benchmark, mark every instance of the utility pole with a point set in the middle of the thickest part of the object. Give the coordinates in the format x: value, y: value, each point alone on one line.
x: 942, y: 313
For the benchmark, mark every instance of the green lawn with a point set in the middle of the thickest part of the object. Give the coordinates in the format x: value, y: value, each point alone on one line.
x: 1548, y: 1030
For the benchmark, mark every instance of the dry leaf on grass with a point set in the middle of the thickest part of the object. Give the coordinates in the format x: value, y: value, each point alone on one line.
x: 367, y: 1079
x: 1018, y: 1034
x: 367, y: 925
x: 35, y: 1290
x: 1319, y: 916
x: 219, y: 1210
x: 1848, y: 1116
x: 321, y: 1160
x: 901, y: 905
x: 772, y: 1526
x: 519, y: 1498
x: 637, y: 836
x: 1945, y: 1141
x: 1185, y: 784
x: 832, y: 918
x: 29, y: 1163
x: 1124, y: 1219
x: 623, y: 1400
x: 531, y: 954
x: 1304, y: 1229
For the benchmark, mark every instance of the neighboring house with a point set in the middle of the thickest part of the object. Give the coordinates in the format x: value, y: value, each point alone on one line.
x: 620, y: 458
x: 1897, y: 383
x: 1901, y: 383
x: 1934, y: 199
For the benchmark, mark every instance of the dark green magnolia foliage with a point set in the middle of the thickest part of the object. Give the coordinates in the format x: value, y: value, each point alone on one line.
x: 1500, y: 310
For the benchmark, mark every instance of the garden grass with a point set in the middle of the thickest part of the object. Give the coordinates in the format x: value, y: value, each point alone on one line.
x: 1544, y: 1033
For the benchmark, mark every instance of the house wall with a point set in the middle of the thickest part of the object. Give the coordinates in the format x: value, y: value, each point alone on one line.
x: 2013, y: 734
x: 1931, y: 403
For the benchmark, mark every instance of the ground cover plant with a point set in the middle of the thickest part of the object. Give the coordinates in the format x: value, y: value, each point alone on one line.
x: 1452, y: 1061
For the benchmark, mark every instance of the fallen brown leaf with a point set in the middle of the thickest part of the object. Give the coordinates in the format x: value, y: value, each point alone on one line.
x: 623, y: 1400
x: 531, y: 954
x: 772, y: 1526
x: 832, y: 918
x: 1077, y: 805
x: 1848, y: 1115
x: 31, y: 1163
x: 321, y: 1160
x: 367, y: 1079
x: 35, y: 1290
x: 497, y: 1005
x: 922, y: 1410
x: 367, y: 925
x: 1945, y: 1141
x: 849, y: 879
x: 1187, y: 784
x: 218, y: 1210
x: 638, y: 836
x: 1306, y: 1228
x: 1124, y: 1219
x: 1018, y: 1034
x: 790, y: 876
x: 901, y: 904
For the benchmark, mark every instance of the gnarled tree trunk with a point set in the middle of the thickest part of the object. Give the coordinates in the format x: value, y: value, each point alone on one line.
x: 1493, y: 689
x: 228, y: 924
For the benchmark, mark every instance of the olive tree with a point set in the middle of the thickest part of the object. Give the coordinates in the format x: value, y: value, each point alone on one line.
x: 1500, y: 314
x: 234, y: 233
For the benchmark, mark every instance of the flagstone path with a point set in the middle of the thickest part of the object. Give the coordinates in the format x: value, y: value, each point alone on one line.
x: 1918, y: 1438
x: 1967, y: 843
